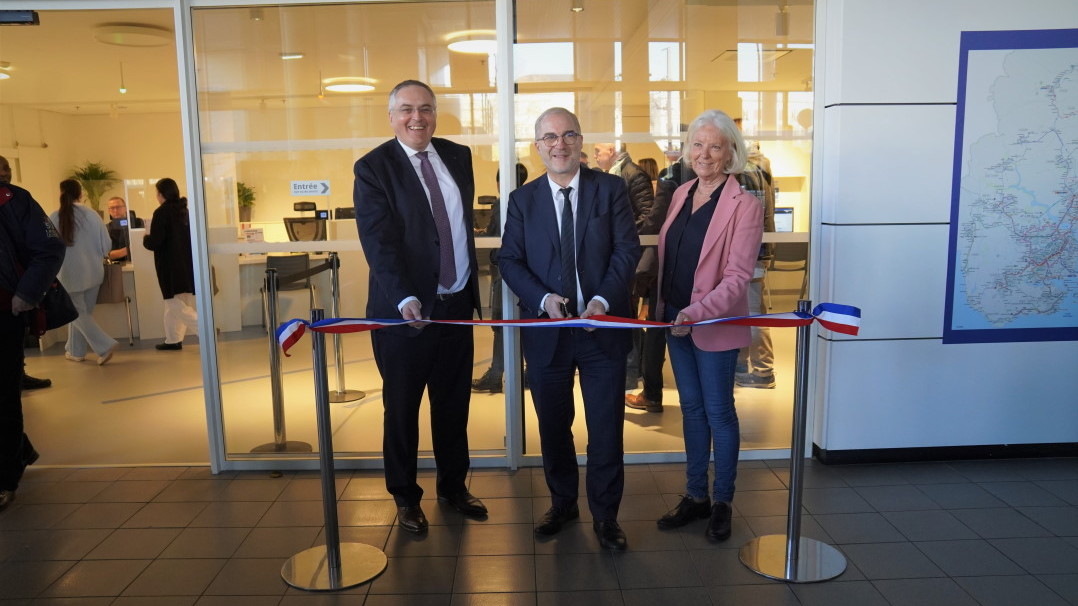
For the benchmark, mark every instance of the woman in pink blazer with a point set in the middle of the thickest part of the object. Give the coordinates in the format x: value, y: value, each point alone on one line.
x: 707, y: 250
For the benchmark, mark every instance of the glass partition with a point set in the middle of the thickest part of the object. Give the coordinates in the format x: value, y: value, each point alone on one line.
x: 636, y: 72
x: 289, y: 97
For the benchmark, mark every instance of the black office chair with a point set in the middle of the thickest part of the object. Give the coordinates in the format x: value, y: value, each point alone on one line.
x: 305, y: 229
x: 287, y: 265
x: 789, y: 256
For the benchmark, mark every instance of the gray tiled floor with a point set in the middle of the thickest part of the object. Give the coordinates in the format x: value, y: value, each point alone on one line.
x: 947, y: 533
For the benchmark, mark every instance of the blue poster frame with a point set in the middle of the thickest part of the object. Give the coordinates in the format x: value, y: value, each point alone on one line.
x: 976, y: 41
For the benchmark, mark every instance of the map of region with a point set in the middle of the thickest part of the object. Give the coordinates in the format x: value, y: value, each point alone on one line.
x: 1015, y: 225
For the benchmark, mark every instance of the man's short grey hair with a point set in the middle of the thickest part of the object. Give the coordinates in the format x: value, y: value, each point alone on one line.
x: 551, y: 112
x: 730, y: 132
x: 406, y: 84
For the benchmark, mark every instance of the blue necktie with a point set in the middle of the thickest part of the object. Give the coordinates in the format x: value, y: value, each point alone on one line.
x: 568, y: 253
x: 447, y: 266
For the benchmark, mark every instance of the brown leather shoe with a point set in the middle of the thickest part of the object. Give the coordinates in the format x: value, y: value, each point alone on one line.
x: 639, y: 402
x: 466, y: 503
x: 412, y: 519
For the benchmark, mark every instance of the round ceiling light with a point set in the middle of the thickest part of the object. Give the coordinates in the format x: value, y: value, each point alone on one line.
x: 473, y: 41
x: 352, y: 84
x: 132, y: 34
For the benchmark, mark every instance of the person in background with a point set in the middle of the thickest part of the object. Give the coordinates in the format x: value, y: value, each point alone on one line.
x: 28, y: 383
x: 413, y: 198
x: 756, y: 363
x: 707, y: 251
x: 653, y: 348
x: 118, y: 230
x: 31, y: 253
x: 87, y: 243
x: 491, y: 381
x: 169, y: 237
x: 569, y: 249
x: 642, y: 197
x: 651, y: 169
x: 584, y: 159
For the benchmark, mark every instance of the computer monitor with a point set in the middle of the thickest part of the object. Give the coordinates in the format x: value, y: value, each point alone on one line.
x: 305, y: 229
x: 784, y: 218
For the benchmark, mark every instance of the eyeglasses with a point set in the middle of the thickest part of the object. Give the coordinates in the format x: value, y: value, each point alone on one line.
x: 569, y: 136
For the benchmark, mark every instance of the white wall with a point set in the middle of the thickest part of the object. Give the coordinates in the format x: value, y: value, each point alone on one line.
x: 887, y: 85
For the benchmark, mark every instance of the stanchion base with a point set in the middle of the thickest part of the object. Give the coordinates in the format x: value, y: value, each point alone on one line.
x: 816, y: 561
x: 348, y: 395
x: 289, y: 446
x: 309, y: 569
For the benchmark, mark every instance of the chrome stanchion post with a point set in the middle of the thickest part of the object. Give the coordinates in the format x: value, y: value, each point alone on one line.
x: 791, y: 557
x: 341, y: 394
x: 280, y: 443
x: 333, y: 565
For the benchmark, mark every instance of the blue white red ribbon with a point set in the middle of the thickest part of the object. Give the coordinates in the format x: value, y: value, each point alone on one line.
x: 845, y: 319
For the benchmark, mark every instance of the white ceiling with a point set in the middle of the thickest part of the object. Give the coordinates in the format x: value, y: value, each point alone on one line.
x: 59, y: 66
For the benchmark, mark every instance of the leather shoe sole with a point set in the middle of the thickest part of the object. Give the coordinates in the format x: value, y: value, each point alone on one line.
x: 412, y: 519
x: 553, y: 520
x: 466, y: 503
x: 169, y: 346
x: 610, y: 534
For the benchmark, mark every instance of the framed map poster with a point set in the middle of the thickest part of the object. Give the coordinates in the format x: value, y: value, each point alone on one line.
x: 1012, y: 270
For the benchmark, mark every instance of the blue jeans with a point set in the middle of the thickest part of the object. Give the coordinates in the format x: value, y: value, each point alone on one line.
x: 705, y: 384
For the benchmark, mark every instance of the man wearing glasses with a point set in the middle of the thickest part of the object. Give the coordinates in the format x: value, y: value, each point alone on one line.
x: 569, y: 249
x: 413, y: 199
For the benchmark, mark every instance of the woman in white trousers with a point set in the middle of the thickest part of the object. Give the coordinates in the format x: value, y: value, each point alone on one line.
x: 88, y: 244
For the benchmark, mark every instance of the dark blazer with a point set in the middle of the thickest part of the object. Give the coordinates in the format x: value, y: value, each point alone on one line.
x: 397, y: 231
x: 170, y: 241
x: 607, y: 251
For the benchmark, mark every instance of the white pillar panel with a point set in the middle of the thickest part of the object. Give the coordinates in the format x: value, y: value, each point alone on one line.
x: 896, y: 274
x: 920, y: 393
x: 889, y: 164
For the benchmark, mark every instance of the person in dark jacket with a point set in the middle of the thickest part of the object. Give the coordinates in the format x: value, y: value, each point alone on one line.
x: 31, y: 253
x: 28, y: 382
x: 642, y: 198
x: 169, y: 237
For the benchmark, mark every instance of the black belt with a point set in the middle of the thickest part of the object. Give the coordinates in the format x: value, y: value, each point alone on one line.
x: 445, y: 296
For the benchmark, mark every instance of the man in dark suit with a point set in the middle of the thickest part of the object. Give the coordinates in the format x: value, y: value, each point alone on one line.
x: 413, y: 200
x: 575, y: 256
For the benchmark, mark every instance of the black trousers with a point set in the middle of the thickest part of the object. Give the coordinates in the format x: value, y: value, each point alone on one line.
x: 602, y: 384
x: 438, y: 359
x: 15, y: 447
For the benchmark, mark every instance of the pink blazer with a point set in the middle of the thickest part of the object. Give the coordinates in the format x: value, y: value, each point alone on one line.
x: 727, y: 259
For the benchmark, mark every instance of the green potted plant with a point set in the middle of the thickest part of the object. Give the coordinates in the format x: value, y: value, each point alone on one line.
x: 245, y: 195
x: 95, y: 179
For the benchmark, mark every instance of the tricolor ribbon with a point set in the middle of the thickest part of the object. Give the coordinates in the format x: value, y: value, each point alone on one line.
x: 845, y: 319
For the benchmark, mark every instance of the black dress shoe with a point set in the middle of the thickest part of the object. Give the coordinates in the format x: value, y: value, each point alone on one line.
x: 29, y: 382
x: 555, y: 518
x: 718, y: 525
x: 7, y: 497
x: 687, y: 510
x: 466, y: 503
x: 412, y: 519
x: 490, y: 382
x: 610, y: 534
x: 169, y: 346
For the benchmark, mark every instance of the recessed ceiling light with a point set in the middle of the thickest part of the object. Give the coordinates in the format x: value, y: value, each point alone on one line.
x: 132, y: 34
x: 351, y: 84
x: 291, y: 56
x: 4, y: 75
x: 473, y: 41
